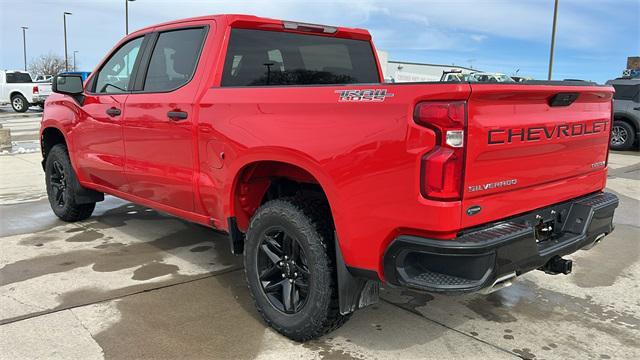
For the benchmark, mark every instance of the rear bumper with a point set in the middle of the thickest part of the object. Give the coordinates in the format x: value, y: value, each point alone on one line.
x: 479, y: 258
x: 39, y: 99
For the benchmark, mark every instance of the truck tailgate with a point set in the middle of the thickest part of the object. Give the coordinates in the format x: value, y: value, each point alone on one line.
x: 44, y: 88
x: 529, y: 146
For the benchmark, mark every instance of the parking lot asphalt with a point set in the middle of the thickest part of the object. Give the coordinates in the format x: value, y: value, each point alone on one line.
x: 131, y: 282
x: 24, y: 126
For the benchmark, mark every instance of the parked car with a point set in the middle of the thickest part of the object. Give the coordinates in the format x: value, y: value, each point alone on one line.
x: 18, y: 89
x: 454, y: 76
x: 42, y: 78
x: 521, y: 78
x: 326, y: 179
x: 625, y: 131
x: 489, y: 77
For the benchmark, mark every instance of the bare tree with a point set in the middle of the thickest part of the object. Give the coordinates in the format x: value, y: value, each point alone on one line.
x: 49, y: 64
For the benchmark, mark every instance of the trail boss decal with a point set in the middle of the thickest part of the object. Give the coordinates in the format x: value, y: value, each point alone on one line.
x: 374, y: 95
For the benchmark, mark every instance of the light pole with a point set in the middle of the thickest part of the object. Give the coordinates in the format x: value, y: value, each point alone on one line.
x: 553, y: 38
x: 126, y: 16
x: 24, y: 46
x: 74, y: 59
x: 66, y: 56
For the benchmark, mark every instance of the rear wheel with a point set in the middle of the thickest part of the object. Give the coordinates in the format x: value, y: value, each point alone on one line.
x: 622, y: 135
x: 61, y: 185
x: 288, y: 268
x: 19, y: 103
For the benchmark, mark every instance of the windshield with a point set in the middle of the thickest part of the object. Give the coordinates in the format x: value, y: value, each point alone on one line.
x: 18, y: 78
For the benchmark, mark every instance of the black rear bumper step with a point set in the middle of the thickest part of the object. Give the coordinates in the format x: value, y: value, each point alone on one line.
x: 480, y: 257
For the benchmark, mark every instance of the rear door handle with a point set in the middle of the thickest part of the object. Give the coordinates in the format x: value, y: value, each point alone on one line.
x: 177, y: 115
x: 636, y: 108
x: 113, y: 112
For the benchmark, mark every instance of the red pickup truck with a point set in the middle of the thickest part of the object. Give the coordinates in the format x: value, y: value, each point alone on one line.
x: 329, y: 181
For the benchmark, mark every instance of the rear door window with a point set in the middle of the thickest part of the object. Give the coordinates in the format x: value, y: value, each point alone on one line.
x: 174, y: 59
x: 259, y: 58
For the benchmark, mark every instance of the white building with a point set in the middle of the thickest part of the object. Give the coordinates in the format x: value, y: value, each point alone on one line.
x: 402, y: 71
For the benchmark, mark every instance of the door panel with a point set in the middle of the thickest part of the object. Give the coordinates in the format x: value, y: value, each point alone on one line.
x: 98, y: 141
x: 159, y: 154
x: 97, y: 135
x: 158, y: 129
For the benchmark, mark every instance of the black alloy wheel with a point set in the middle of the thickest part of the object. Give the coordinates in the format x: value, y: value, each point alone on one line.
x: 62, y: 187
x: 58, y: 185
x: 283, y: 269
x: 289, y: 267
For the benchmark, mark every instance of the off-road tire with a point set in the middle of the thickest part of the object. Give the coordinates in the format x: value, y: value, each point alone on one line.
x: 19, y: 103
x: 630, y: 135
x: 310, y: 221
x: 69, y: 211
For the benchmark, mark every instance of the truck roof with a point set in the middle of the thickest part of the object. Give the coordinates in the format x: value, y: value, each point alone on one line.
x: 262, y: 23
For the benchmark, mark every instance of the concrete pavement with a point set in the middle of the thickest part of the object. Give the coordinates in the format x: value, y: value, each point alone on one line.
x: 134, y: 283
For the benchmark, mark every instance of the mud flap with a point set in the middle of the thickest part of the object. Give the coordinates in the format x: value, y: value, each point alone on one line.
x: 236, y: 237
x: 84, y: 195
x: 354, y: 293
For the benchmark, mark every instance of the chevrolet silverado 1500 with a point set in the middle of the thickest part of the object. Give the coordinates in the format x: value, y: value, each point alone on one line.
x: 328, y: 180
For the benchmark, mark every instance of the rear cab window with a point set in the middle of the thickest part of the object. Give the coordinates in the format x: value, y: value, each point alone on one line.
x: 271, y: 58
x: 18, y: 78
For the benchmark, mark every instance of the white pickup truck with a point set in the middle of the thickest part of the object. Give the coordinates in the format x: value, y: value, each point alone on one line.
x: 18, y: 89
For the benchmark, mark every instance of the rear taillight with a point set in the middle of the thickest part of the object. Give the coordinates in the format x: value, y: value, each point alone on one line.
x: 442, y: 168
x: 36, y: 90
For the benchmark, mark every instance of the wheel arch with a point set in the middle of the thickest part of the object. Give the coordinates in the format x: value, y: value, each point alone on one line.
x: 49, y: 137
x: 257, y: 179
x: 16, y: 92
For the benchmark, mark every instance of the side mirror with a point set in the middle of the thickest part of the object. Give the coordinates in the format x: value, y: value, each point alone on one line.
x: 69, y: 84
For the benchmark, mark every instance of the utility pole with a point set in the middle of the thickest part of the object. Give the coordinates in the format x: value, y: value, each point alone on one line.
x: 553, y: 38
x: 24, y: 46
x: 74, y: 59
x: 66, y: 56
x: 126, y: 16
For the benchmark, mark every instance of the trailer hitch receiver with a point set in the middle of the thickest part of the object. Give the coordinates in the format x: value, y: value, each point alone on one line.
x: 557, y: 265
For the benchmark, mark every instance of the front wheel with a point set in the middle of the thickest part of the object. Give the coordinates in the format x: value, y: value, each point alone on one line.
x: 19, y: 103
x: 622, y: 135
x: 61, y: 184
x: 289, y: 270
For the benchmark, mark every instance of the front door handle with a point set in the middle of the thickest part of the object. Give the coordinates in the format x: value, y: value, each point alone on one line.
x: 636, y: 108
x: 113, y: 112
x: 177, y: 115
